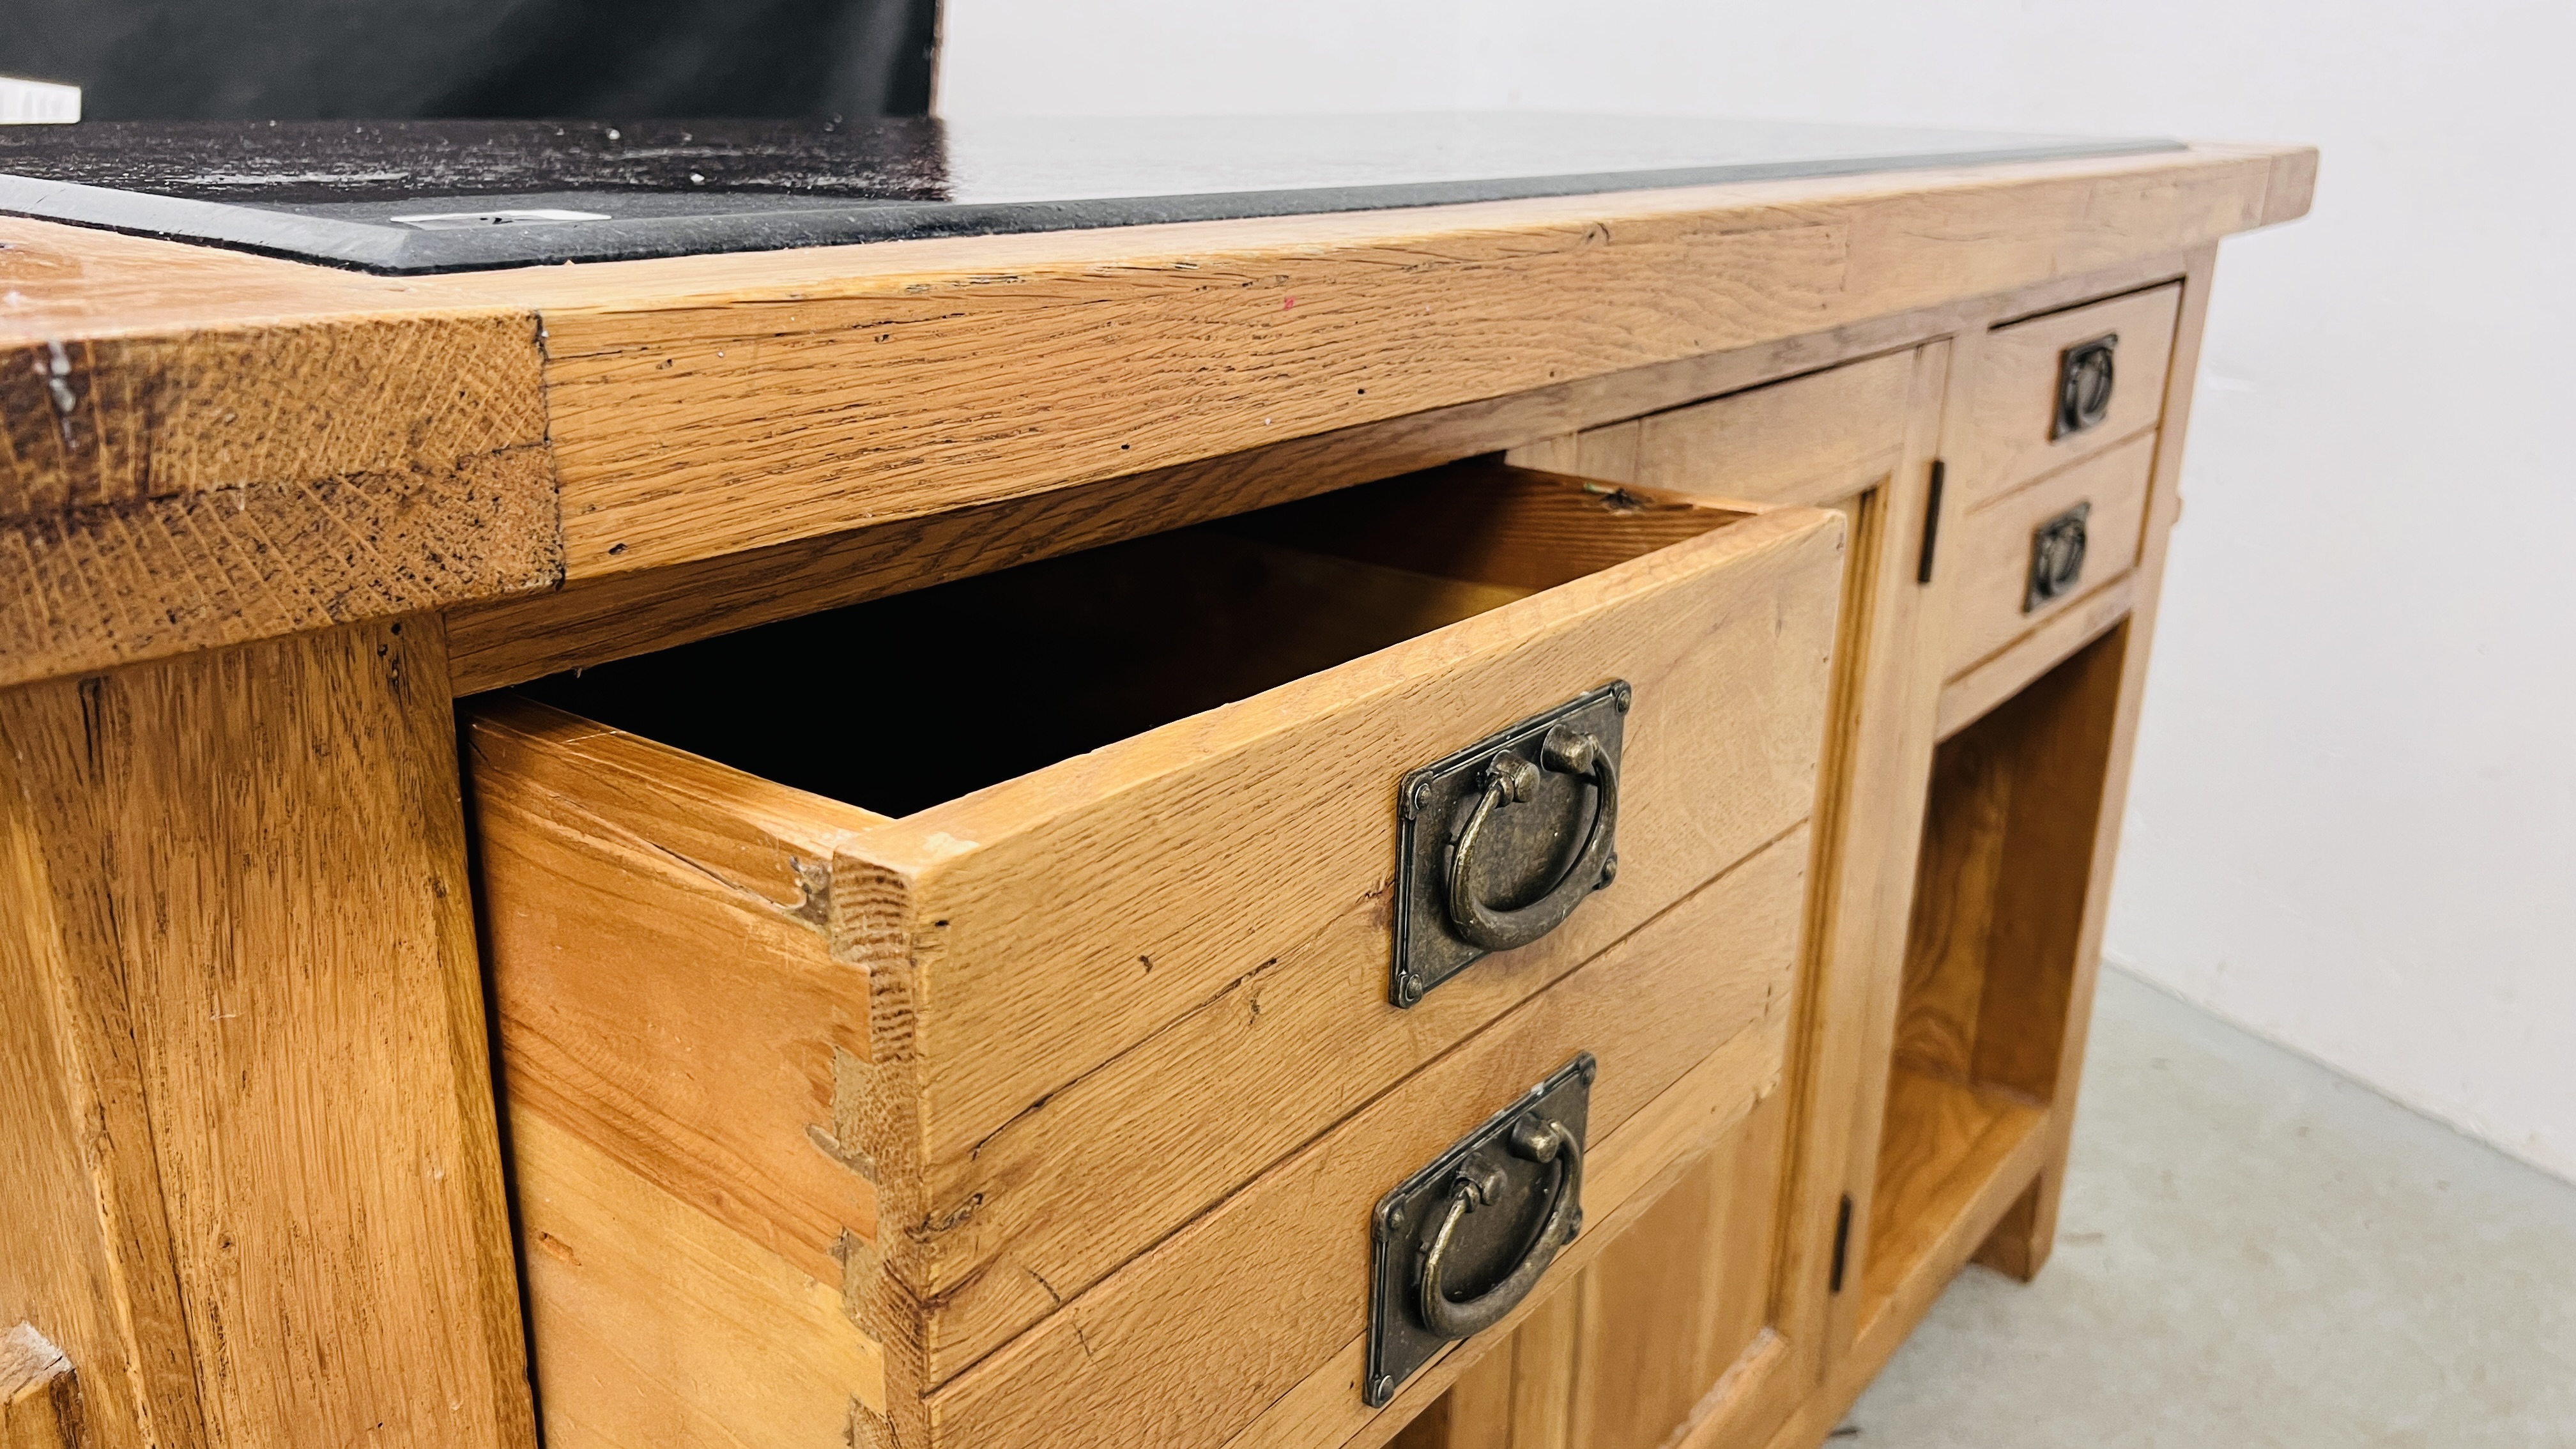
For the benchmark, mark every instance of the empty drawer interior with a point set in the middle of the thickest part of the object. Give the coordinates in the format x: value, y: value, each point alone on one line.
x: 973, y: 682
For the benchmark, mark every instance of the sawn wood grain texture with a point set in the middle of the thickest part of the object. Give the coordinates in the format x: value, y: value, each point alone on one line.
x: 238, y: 908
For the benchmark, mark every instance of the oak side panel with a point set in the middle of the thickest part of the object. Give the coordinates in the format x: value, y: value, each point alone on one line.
x: 86, y: 1261
x: 624, y: 888
x: 769, y: 1357
x: 255, y: 864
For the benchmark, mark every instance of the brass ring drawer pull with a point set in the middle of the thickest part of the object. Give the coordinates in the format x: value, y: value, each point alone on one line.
x: 1486, y: 854
x: 1487, y: 1217
x: 1531, y: 1139
x: 2056, y: 557
x: 1509, y: 780
x: 2085, y: 373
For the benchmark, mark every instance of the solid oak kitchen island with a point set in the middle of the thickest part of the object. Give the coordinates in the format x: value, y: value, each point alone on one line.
x: 1263, y: 784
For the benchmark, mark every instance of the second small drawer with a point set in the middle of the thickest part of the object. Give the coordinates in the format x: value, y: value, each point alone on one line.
x: 2022, y: 558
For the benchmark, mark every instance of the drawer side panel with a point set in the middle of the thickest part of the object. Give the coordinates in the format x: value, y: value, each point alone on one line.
x: 657, y: 1001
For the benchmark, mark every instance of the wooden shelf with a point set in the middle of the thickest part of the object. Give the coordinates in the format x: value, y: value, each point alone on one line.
x: 1949, y: 1155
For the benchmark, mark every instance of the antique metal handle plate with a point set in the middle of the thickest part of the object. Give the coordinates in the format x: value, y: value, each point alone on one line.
x: 1463, y: 1241
x: 2056, y: 557
x: 1500, y: 842
x: 2084, y: 378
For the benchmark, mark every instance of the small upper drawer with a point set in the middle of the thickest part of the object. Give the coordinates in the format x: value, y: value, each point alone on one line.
x: 2062, y: 387
x: 944, y: 953
x: 2025, y: 557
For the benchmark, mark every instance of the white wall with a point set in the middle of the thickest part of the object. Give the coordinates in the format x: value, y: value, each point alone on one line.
x: 2353, y: 825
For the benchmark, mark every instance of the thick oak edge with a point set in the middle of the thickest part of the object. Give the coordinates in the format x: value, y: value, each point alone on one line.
x: 141, y: 293
x: 496, y: 643
x: 588, y: 622
x: 1172, y: 344
x: 815, y: 272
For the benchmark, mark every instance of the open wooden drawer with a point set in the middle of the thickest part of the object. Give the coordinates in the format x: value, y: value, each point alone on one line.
x: 888, y: 999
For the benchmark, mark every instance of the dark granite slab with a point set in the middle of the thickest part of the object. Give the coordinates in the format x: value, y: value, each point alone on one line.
x: 434, y: 196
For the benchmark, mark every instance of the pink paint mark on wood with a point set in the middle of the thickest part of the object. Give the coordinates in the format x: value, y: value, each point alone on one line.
x: 1291, y: 302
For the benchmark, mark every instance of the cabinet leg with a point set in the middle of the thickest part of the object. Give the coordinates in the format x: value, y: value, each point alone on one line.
x: 242, y: 1024
x: 2016, y: 1247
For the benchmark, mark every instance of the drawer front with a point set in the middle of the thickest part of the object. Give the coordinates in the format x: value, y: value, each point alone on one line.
x: 1992, y: 600
x: 1122, y: 991
x: 2015, y: 432
x: 959, y: 1068
x: 1259, y: 1311
x: 1816, y: 439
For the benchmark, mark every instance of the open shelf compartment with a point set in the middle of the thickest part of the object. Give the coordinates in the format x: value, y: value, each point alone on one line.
x: 1991, y: 962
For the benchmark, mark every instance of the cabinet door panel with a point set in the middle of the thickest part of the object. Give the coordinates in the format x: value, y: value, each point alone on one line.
x: 1650, y: 1355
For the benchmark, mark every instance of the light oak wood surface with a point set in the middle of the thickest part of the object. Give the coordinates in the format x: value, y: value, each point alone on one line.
x: 1871, y: 428
x: 769, y: 1357
x: 1141, y: 1361
x: 1973, y: 691
x: 1019, y: 1004
x: 662, y: 979
x: 1664, y: 1139
x: 588, y: 622
x: 258, y: 1128
x: 1665, y: 1383
x: 1167, y: 344
x: 1876, y: 751
x: 1817, y: 439
x: 200, y: 448
x: 1686, y: 1295
x: 2024, y: 1244
x: 240, y: 903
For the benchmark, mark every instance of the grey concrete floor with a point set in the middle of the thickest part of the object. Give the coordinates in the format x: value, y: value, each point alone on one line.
x: 2254, y: 1251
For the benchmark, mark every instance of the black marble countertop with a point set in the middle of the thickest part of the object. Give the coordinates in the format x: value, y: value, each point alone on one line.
x: 436, y: 196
